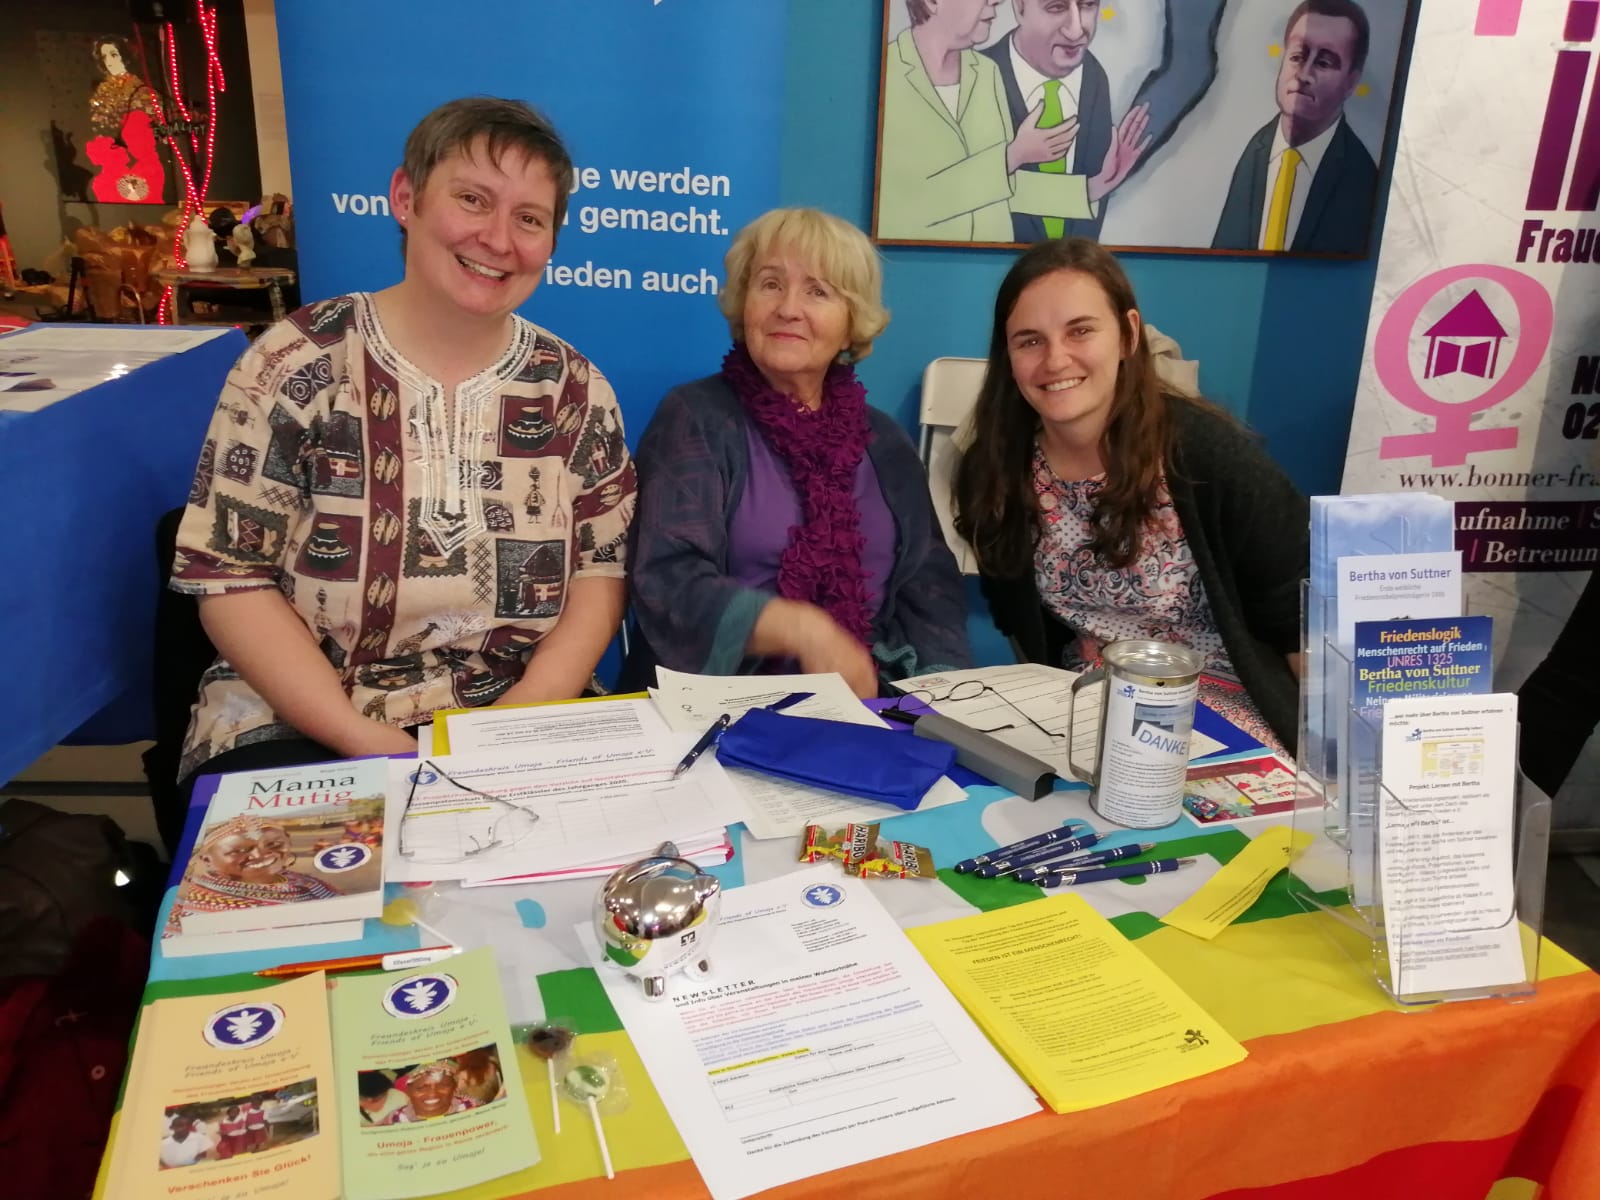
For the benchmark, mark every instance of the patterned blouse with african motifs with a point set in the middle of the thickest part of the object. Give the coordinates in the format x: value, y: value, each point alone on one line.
x: 427, y: 541
x: 1159, y: 595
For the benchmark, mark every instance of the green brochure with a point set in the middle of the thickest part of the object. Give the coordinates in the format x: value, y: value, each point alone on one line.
x: 429, y: 1093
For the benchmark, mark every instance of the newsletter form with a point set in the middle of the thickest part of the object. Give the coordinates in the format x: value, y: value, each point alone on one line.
x: 823, y: 1040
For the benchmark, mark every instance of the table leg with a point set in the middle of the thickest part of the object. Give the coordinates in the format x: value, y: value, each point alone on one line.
x: 276, y: 293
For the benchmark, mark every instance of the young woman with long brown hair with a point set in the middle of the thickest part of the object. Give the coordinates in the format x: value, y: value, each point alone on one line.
x: 1102, y: 506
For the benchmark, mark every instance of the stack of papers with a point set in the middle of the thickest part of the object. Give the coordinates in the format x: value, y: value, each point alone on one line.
x: 553, y: 791
x: 596, y: 777
x: 42, y: 364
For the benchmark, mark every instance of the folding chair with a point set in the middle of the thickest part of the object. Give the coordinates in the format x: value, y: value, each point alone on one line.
x: 949, y: 392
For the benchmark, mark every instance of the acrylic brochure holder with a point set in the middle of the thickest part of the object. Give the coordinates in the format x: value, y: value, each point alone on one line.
x: 1345, y: 820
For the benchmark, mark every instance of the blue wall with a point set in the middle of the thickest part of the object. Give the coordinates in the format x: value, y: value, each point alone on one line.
x: 1279, y: 343
x: 713, y: 110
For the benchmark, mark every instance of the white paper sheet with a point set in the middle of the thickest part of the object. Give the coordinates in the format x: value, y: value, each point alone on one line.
x: 1396, y: 587
x: 691, y: 702
x: 47, y: 363
x: 588, y: 724
x: 150, y: 340
x: 710, y: 849
x: 1445, y: 855
x: 776, y: 808
x: 613, y: 801
x: 821, y: 1039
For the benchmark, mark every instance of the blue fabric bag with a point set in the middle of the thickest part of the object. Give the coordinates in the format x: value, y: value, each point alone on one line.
x: 863, y: 760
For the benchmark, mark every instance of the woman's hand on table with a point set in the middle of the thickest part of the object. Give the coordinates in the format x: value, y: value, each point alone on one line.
x: 366, y: 736
x: 796, y: 629
x: 838, y: 651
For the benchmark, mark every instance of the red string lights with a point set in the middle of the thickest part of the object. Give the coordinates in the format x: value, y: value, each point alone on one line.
x: 190, y: 123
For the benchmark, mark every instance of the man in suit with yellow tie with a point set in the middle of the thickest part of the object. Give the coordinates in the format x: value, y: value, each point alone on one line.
x: 1051, y: 78
x: 1305, y: 183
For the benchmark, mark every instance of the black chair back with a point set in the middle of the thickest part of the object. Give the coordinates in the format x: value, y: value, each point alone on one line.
x: 183, y: 652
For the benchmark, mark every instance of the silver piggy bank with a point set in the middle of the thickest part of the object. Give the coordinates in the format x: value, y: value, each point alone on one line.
x: 656, y: 916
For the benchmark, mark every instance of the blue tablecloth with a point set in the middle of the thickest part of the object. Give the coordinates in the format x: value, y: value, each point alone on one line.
x: 86, y: 480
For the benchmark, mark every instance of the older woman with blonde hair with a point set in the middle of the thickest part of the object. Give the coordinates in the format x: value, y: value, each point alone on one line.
x: 783, y: 523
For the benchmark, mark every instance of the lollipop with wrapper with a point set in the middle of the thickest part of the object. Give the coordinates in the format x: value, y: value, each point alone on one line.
x: 594, y: 1083
x: 407, y: 910
x: 551, y: 1040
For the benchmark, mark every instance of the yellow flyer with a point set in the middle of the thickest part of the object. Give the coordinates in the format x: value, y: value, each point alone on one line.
x: 230, y: 1098
x: 1232, y: 890
x: 1080, y: 1012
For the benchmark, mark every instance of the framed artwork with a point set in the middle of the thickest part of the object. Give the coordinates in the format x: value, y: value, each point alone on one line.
x: 102, y: 119
x: 1229, y: 126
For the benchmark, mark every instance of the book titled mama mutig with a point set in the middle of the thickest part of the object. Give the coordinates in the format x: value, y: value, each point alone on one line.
x: 289, y: 847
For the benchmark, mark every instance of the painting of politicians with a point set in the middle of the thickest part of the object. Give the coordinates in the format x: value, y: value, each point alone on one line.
x: 1237, y: 126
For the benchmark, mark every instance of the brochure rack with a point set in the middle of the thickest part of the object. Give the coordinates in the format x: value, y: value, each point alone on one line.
x: 1344, y: 818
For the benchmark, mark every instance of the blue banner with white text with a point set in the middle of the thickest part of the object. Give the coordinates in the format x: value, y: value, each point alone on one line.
x: 670, y: 108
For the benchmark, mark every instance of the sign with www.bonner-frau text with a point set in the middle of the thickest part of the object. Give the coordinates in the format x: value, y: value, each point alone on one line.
x: 1481, y: 381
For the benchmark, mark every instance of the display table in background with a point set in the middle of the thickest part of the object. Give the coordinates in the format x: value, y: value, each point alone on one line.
x: 216, y: 287
x: 87, y: 476
x: 1342, y: 1095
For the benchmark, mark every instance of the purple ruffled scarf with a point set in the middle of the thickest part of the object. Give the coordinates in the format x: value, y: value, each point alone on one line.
x: 822, y: 450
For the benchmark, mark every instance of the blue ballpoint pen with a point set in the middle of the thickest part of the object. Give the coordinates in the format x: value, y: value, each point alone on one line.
x: 788, y: 701
x: 1038, y: 870
x: 707, y: 739
x: 1015, y: 862
x: 968, y: 865
x: 1125, y: 871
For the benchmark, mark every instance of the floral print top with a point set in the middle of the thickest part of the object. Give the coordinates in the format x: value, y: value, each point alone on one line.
x: 1158, y: 596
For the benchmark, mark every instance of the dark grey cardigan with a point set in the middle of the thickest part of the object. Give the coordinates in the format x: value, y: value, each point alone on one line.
x: 1248, y: 528
x: 695, y: 616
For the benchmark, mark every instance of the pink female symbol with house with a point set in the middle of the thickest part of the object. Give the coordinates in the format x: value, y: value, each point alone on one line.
x: 1467, y: 340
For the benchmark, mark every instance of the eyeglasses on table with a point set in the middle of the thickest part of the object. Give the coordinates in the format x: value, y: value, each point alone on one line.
x: 971, y: 689
x: 506, y: 823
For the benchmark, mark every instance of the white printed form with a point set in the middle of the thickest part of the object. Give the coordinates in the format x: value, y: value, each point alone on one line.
x: 1445, y: 849
x: 821, y: 1039
x: 589, y: 723
x: 548, y: 807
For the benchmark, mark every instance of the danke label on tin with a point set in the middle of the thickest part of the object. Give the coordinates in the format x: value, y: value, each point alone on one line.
x: 1146, y: 717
